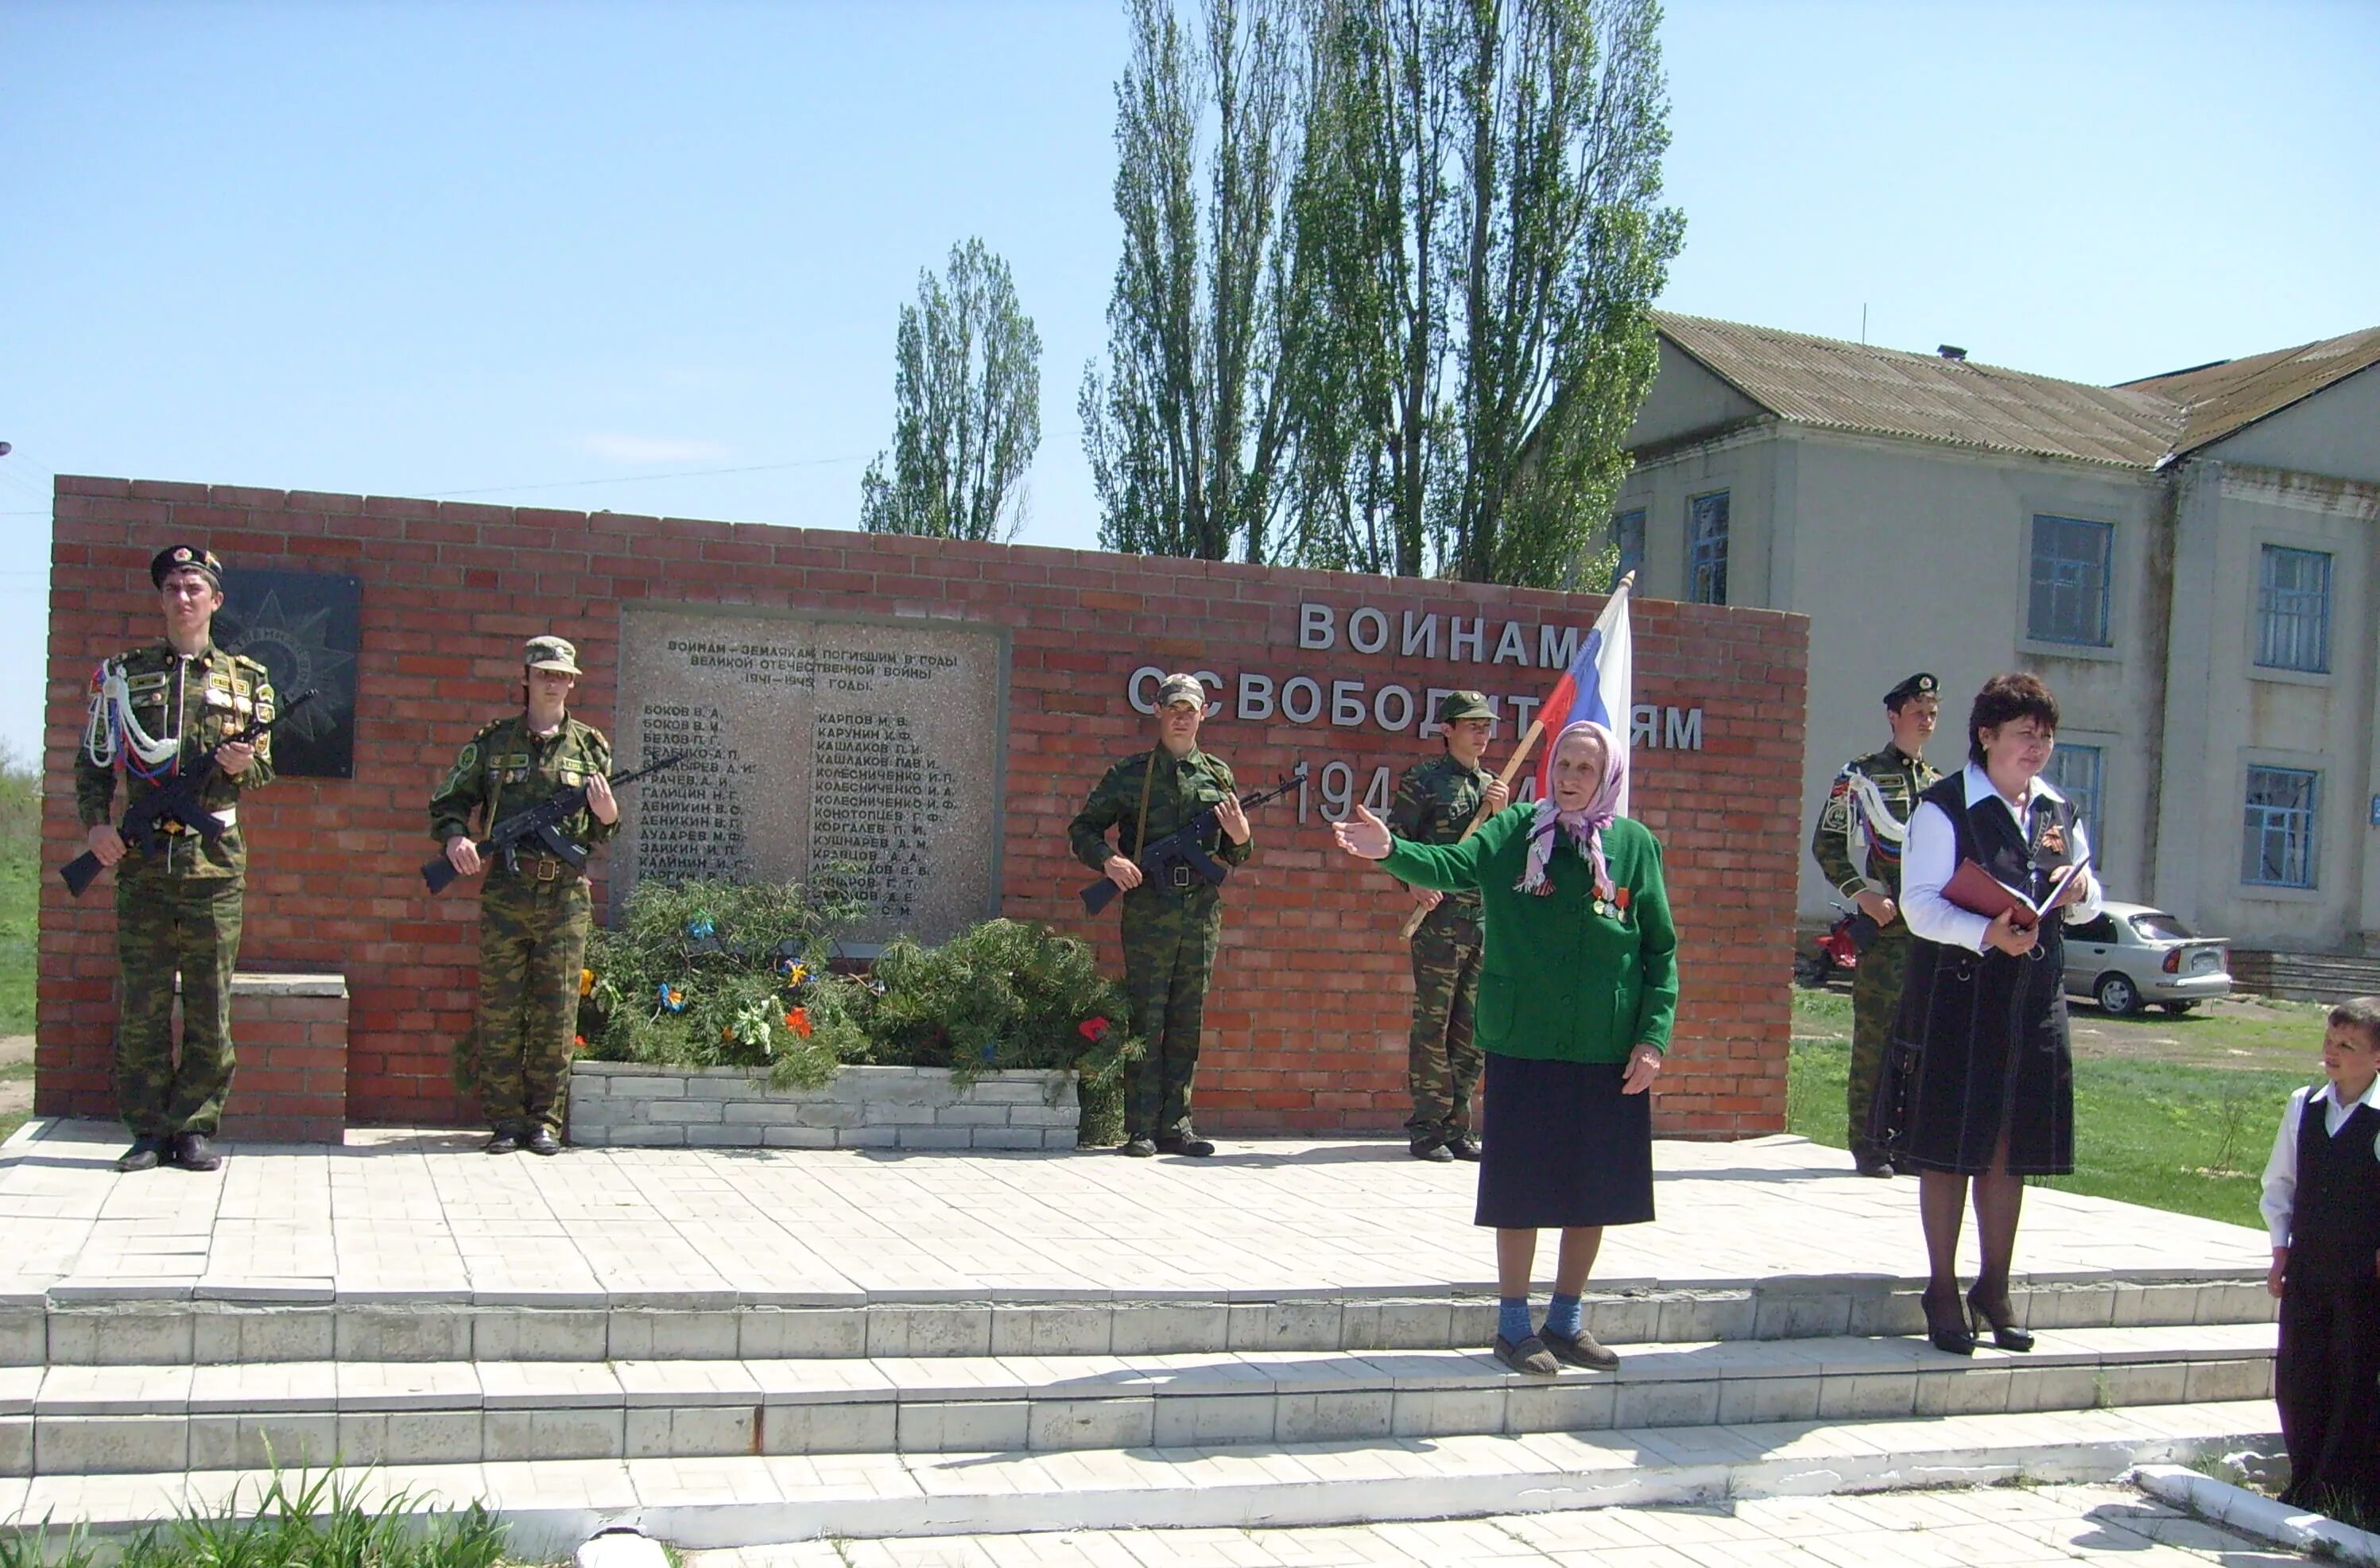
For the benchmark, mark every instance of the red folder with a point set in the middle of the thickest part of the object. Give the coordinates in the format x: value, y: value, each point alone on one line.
x: 1979, y: 893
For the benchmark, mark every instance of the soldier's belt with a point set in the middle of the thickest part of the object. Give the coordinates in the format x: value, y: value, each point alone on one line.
x: 540, y: 868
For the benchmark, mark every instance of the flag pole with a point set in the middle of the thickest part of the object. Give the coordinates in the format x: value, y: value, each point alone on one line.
x: 1511, y: 769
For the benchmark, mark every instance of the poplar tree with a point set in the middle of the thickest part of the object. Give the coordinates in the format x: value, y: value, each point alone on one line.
x: 1480, y: 241
x: 1187, y: 428
x: 967, y: 389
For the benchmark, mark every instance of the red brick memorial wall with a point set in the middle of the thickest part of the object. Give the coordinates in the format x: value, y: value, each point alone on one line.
x: 1306, y: 1022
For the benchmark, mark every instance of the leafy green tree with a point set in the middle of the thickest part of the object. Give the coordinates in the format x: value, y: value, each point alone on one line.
x: 1187, y: 430
x: 966, y: 385
x: 1478, y: 243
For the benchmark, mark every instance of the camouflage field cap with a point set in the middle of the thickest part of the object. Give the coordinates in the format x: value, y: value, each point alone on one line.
x: 1463, y: 705
x: 184, y: 558
x: 1918, y: 685
x: 554, y: 653
x: 1180, y: 689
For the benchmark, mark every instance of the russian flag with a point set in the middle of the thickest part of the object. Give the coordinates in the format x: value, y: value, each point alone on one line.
x: 1599, y: 685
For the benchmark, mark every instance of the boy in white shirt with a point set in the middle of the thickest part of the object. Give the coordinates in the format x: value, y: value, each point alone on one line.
x: 2321, y: 1203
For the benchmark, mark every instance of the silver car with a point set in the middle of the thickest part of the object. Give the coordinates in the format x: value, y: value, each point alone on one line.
x: 2131, y: 955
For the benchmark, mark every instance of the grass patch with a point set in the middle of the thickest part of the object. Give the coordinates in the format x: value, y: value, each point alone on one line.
x: 305, y: 1521
x: 2173, y: 1136
x: 20, y: 890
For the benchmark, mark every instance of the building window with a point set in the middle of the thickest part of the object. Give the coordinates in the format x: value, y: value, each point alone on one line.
x: 1707, y: 549
x: 2074, y: 771
x: 2279, y: 848
x: 1628, y: 538
x: 2070, y: 580
x: 2293, y: 610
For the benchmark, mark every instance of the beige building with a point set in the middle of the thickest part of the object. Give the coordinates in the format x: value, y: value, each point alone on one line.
x: 2190, y: 561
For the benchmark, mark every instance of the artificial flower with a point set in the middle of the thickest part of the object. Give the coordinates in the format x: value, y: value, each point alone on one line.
x: 1093, y: 1029
x: 798, y: 1020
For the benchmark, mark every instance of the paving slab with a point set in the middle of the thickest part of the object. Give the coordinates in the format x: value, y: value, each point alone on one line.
x: 417, y: 1216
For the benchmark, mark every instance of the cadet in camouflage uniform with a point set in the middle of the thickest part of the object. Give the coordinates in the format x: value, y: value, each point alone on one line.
x: 1873, y: 798
x: 1436, y: 802
x: 1170, y: 931
x: 534, y: 916
x: 154, y: 712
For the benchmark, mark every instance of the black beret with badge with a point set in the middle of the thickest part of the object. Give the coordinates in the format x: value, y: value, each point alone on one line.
x: 184, y: 558
x: 1919, y: 685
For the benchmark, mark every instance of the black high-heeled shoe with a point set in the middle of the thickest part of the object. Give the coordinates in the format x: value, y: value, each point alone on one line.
x: 1952, y: 1337
x: 2005, y: 1335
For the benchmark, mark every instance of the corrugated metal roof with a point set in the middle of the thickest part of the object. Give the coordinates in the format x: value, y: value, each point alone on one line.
x: 1852, y: 386
x: 2219, y: 399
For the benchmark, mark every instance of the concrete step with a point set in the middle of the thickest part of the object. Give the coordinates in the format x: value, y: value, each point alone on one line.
x: 750, y: 1499
x: 62, y: 1420
x: 252, y: 1325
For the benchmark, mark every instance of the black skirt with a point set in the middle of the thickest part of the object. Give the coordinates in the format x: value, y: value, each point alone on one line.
x: 1563, y: 1147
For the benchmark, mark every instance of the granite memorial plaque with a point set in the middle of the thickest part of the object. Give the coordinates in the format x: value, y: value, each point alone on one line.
x: 304, y: 627
x: 866, y: 753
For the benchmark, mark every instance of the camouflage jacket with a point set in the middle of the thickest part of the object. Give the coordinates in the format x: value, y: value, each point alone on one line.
x: 1873, y: 796
x: 504, y: 768
x: 1182, y: 788
x: 1436, y: 800
x: 204, y: 699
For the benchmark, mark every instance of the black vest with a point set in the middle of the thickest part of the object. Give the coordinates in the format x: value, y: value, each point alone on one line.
x: 2334, y: 1219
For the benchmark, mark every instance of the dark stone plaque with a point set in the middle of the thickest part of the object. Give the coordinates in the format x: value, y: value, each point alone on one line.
x: 305, y: 628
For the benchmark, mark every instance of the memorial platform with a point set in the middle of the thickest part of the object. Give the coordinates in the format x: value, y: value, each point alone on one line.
x: 746, y: 1346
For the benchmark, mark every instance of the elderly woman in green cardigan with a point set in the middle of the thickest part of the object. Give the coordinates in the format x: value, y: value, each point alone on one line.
x: 1578, y: 985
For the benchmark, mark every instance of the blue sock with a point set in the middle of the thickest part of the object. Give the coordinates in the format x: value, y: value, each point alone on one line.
x: 1512, y: 1319
x: 1564, y: 1316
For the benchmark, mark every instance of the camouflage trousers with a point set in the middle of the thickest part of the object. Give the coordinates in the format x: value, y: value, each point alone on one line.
x: 532, y: 944
x: 1875, y: 991
x: 1442, y: 1062
x: 1169, y: 954
x: 164, y: 925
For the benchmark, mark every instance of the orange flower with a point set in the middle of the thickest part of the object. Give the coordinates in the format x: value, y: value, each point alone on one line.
x: 798, y: 1020
x: 585, y: 982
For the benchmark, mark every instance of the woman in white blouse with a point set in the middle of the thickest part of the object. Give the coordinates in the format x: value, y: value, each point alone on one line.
x: 1980, y: 1087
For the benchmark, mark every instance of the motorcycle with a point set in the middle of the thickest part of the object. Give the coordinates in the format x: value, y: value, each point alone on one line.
x: 1836, y: 952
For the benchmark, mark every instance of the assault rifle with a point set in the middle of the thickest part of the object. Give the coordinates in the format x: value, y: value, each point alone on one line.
x: 176, y: 801
x: 539, y: 826
x: 1184, y: 846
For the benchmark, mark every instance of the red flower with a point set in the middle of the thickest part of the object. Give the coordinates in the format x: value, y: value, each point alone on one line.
x: 1093, y: 1029
x: 798, y: 1020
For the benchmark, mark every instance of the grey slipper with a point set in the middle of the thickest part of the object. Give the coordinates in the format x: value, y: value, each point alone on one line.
x: 1530, y: 1356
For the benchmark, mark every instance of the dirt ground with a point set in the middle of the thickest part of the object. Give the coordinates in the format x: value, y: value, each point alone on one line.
x: 16, y: 1073
x: 2244, y: 1032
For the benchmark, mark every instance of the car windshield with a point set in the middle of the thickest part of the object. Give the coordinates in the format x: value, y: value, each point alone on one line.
x: 2157, y: 926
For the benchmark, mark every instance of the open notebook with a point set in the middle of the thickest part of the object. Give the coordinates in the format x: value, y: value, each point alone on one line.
x: 1978, y: 892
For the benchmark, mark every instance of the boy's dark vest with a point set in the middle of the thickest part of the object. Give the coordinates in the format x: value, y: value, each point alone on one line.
x: 2335, y: 1220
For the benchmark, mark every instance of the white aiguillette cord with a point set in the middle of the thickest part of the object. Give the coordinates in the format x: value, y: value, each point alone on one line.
x: 112, y: 705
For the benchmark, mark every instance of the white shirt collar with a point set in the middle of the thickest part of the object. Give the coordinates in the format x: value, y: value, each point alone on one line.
x: 1979, y: 785
x: 2370, y: 1095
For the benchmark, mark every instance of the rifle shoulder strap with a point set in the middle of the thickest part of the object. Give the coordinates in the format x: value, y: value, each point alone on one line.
x: 1140, y: 828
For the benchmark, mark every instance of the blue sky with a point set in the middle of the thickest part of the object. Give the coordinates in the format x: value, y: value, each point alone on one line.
x: 496, y: 250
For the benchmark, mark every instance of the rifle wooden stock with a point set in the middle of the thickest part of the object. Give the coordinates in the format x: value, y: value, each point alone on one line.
x: 1520, y: 755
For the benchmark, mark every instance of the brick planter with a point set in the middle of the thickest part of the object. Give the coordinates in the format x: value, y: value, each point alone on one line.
x: 637, y: 1105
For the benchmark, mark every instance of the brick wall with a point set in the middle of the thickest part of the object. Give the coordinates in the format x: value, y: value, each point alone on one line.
x: 1306, y: 1026
x: 291, y: 1033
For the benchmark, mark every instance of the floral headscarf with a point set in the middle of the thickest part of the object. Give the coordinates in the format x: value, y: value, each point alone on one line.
x: 1584, y: 827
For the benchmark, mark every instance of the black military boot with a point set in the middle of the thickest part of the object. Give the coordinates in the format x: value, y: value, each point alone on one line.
x: 1187, y: 1143
x: 143, y: 1155
x: 1462, y: 1146
x: 193, y: 1152
x: 1431, y: 1146
x: 540, y: 1141
x: 1138, y: 1146
x: 504, y: 1142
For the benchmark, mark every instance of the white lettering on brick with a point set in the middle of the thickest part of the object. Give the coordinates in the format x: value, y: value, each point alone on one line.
x: 1420, y: 637
x: 1317, y: 627
x: 1456, y: 637
x: 1149, y: 673
x: 1347, y: 704
x: 1290, y: 697
x: 1403, y: 703
x: 1256, y: 696
x: 1379, y: 638
x: 1512, y: 645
